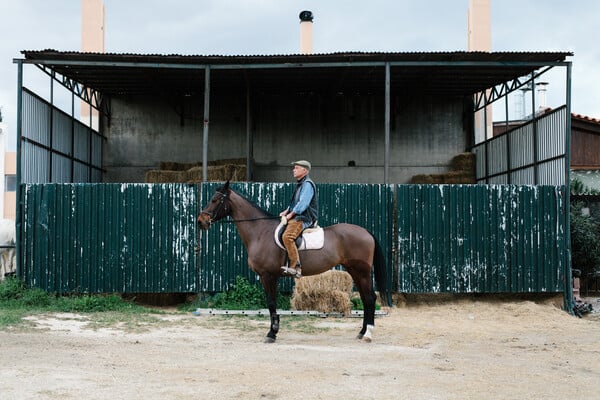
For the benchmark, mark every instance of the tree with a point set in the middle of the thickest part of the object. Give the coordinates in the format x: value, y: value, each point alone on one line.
x: 585, y: 240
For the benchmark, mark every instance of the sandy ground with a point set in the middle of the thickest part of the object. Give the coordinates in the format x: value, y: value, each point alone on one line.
x: 455, y: 350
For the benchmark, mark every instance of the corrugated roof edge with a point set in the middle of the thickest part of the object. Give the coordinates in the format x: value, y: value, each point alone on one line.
x: 352, y: 56
x: 585, y: 118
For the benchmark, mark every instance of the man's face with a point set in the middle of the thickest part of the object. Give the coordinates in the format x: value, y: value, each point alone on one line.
x: 299, y: 172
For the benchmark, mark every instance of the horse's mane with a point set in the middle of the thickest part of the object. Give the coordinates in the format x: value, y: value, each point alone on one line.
x: 221, y: 189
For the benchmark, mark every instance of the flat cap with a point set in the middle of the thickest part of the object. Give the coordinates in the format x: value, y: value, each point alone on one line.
x: 302, y: 163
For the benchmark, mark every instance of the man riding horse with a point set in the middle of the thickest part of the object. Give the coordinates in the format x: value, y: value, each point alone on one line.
x: 302, y: 213
x: 351, y: 246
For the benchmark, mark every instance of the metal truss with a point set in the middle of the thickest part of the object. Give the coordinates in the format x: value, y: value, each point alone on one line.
x: 485, y: 98
x: 89, y: 95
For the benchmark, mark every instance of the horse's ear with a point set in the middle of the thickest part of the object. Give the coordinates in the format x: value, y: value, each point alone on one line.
x: 226, y: 186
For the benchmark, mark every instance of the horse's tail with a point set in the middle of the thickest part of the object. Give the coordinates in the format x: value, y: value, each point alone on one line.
x: 379, y: 269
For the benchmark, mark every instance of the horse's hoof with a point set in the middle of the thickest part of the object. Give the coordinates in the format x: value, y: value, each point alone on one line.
x: 359, y: 336
x: 269, y: 340
x: 368, y: 336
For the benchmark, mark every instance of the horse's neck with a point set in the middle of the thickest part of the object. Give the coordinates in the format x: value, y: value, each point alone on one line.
x: 243, y: 209
x: 253, y: 221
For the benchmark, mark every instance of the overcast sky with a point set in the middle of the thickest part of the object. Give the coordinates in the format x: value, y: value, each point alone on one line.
x: 259, y: 27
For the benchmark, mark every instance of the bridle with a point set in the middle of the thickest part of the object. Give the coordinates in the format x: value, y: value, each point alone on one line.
x: 215, y: 215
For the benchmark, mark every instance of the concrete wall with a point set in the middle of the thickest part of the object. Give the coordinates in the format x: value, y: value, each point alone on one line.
x: 342, y: 136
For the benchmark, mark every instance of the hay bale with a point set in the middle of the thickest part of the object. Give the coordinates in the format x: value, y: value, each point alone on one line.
x: 234, y: 161
x: 233, y: 169
x: 328, y: 292
x: 463, y: 162
x: 195, y: 174
x: 237, y: 172
x: 459, y: 177
x: 218, y: 173
x: 426, y: 179
x: 334, y: 301
x: 158, y: 176
x: 462, y: 171
x: 177, y: 166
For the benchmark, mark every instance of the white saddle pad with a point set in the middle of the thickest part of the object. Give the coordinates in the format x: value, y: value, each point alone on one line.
x: 311, y: 239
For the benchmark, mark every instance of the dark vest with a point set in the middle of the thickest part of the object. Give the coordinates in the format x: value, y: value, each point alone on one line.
x: 311, y: 214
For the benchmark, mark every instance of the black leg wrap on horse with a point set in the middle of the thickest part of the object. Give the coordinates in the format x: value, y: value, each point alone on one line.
x: 275, y: 323
x: 272, y: 335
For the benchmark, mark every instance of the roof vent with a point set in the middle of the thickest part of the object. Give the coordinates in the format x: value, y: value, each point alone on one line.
x: 306, y: 16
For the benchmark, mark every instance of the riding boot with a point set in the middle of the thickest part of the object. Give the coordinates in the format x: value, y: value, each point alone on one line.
x: 298, y: 271
x: 292, y: 231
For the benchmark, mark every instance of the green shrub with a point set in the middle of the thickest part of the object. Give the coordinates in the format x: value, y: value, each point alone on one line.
x: 242, y: 296
x: 578, y: 188
x: 36, y: 298
x: 357, y: 304
x: 11, y: 289
x: 15, y: 295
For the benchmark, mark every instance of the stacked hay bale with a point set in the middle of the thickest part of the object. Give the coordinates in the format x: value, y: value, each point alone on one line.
x: 220, y: 170
x: 329, y: 292
x: 462, y: 170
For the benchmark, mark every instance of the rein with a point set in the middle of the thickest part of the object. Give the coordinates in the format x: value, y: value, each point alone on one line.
x: 246, y: 220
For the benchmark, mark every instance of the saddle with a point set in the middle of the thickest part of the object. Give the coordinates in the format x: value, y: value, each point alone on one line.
x: 309, y: 239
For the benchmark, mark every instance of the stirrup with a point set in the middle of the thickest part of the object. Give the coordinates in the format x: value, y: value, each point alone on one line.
x: 295, y: 272
x: 287, y: 271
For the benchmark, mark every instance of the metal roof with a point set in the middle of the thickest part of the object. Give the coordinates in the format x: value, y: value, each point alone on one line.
x: 441, y: 73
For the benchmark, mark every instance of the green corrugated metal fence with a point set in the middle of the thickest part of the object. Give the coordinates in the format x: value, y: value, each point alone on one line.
x: 483, y: 239
x: 436, y: 238
x: 109, y: 237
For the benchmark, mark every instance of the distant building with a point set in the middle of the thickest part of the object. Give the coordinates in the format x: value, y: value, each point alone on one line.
x: 585, y: 157
x: 585, y: 142
x: 10, y: 185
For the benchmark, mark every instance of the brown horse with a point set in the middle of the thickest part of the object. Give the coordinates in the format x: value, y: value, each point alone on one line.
x: 348, y: 245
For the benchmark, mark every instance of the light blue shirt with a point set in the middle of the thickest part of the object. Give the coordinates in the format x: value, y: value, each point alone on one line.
x: 306, y: 194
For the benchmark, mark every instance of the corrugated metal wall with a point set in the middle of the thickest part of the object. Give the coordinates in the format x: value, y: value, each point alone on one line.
x: 532, y: 154
x: 436, y: 238
x: 109, y: 237
x: 59, y: 148
x: 481, y: 239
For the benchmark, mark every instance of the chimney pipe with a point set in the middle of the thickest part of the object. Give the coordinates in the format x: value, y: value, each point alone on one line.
x: 541, y: 89
x: 306, y: 18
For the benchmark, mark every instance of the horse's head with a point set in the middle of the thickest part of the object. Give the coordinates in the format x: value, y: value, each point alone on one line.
x: 219, y: 207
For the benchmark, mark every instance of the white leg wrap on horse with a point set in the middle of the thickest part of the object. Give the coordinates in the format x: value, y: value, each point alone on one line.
x: 369, y: 333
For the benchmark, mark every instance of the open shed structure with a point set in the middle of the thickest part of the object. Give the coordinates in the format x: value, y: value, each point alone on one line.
x: 371, y: 121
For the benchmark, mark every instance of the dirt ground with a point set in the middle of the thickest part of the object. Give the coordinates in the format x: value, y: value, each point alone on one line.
x: 465, y: 349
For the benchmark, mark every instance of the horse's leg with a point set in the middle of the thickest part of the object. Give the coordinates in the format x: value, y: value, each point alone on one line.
x: 269, y: 282
x: 3, y: 269
x: 361, y: 275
